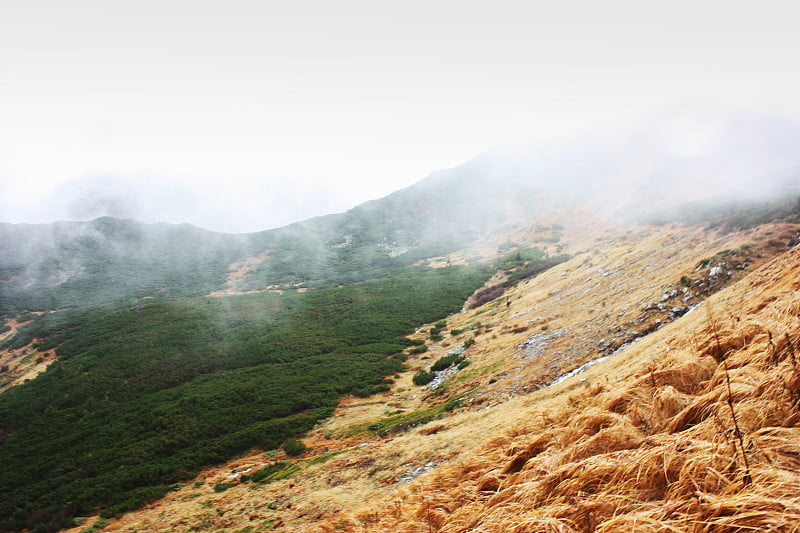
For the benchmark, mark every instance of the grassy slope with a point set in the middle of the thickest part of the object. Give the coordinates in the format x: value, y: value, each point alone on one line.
x: 502, y: 413
x: 652, y: 442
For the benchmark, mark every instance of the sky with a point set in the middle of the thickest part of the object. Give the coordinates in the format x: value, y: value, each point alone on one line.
x: 245, y: 115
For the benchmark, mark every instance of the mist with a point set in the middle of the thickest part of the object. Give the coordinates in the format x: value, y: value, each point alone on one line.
x: 218, y: 206
x: 257, y: 116
x: 677, y: 155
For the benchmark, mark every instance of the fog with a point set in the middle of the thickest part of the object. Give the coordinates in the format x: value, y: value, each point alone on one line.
x: 677, y: 155
x: 252, y: 115
x: 218, y: 206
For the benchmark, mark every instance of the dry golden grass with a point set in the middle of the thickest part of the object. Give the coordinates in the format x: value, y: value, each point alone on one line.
x: 656, y: 450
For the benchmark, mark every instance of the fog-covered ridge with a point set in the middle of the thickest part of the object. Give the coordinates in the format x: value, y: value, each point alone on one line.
x: 664, y: 169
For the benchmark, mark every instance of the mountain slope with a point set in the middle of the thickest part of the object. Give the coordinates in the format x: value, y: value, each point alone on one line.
x: 71, y: 264
x: 693, y: 429
x: 360, y: 471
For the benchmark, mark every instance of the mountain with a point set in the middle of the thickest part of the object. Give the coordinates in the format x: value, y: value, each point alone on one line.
x: 135, y: 357
x: 67, y: 264
x: 669, y: 168
x: 651, y: 171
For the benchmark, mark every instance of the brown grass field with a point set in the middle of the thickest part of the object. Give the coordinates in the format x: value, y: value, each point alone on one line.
x: 700, y: 434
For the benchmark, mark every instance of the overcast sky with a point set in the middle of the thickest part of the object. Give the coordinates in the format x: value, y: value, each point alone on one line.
x: 179, y: 110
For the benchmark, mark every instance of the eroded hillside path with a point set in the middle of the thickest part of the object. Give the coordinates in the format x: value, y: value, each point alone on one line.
x: 603, y: 299
x: 18, y: 365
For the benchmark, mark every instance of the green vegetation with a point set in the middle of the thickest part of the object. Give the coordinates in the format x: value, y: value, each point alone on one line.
x: 145, y: 394
x: 222, y: 487
x: 294, y: 447
x: 265, y: 474
x: 97, y: 526
x: 518, y: 265
x: 423, y: 378
x: 446, y: 362
x: 404, y: 421
x: 285, y: 469
x: 732, y: 216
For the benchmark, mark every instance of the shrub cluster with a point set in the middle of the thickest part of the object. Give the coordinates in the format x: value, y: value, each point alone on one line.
x: 446, y: 362
x: 166, y: 387
x: 423, y: 378
x: 294, y: 447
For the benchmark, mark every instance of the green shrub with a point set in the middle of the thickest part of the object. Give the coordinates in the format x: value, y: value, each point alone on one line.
x: 221, y: 487
x: 418, y: 350
x: 273, y: 468
x: 365, y: 392
x: 224, y: 375
x: 294, y: 447
x: 423, y: 378
x: 446, y: 362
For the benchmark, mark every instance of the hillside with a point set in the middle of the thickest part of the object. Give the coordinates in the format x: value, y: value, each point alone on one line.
x: 505, y: 424
x: 158, y: 377
x: 72, y: 264
x: 693, y: 428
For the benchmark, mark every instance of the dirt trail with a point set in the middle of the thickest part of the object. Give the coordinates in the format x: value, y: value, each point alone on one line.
x: 238, y: 272
x: 21, y: 364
